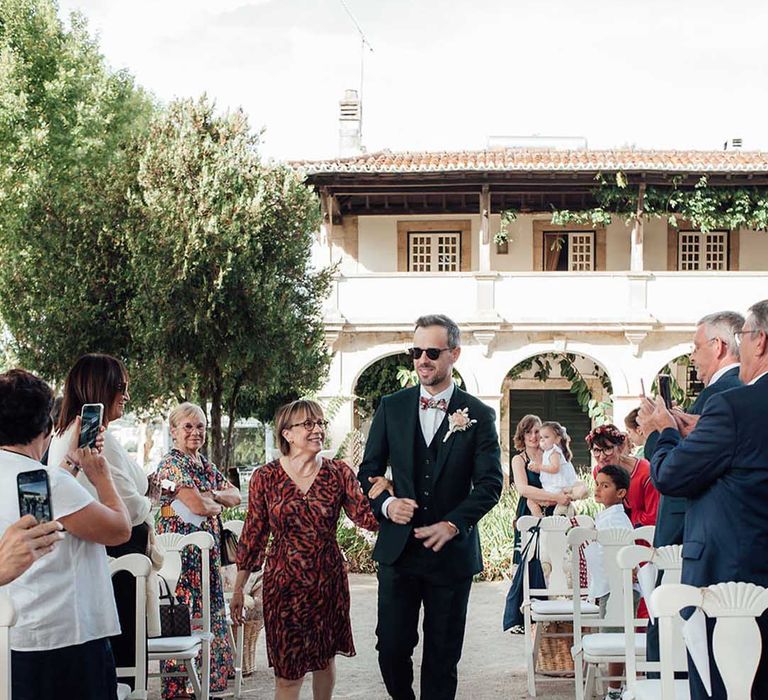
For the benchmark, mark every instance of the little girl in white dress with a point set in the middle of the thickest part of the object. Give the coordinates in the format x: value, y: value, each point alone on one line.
x: 557, y: 473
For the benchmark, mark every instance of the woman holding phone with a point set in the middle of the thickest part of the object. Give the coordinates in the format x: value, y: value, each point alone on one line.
x: 64, y: 602
x: 103, y: 379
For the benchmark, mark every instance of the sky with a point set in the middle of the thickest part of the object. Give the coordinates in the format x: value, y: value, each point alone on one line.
x: 446, y: 75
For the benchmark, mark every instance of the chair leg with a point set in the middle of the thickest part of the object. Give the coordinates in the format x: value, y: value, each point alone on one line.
x: 529, y: 660
x: 239, y: 638
x: 589, y: 684
x: 578, y: 677
x: 191, y: 667
x: 206, y: 679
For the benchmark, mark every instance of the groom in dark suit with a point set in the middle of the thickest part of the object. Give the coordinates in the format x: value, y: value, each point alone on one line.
x: 442, y: 446
x: 722, y: 469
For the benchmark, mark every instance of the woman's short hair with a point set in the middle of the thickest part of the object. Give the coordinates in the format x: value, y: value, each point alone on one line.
x: 183, y: 410
x: 606, y: 435
x: 526, y: 424
x: 617, y: 475
x: 94, y: 378
x: 287, y: 415
x: 25, y: 407
x: 631, y: 419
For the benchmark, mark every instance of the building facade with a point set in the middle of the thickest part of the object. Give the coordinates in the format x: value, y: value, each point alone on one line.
x: 416, y: 233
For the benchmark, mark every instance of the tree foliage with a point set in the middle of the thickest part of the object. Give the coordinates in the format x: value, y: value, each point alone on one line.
x: 68, y: 129
x: 226, y: 308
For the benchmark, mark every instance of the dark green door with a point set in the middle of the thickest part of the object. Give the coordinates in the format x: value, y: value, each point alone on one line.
x: 552, y: 404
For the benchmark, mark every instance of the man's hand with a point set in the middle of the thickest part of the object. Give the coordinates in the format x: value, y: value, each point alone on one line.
x: 686, y: 422
x: 436, y: 536
x: 658, y: 416
x: 23, y: 543
x: 380, y: 485
x: 401, y: 510
x: 644, y: 415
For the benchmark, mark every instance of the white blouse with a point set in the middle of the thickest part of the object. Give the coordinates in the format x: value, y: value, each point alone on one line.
x: 65, y: 598
x: 130, y: 480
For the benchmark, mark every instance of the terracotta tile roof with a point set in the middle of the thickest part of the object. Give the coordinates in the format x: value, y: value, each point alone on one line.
x: 529, y: 160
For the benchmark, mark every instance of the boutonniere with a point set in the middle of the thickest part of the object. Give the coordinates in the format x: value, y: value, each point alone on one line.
x: 458, y: 422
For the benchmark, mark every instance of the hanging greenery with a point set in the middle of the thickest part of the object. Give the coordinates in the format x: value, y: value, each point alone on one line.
x: 705, y: 206
x: 507, y: 217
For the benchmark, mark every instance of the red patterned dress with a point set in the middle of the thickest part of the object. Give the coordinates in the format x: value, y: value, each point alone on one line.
x: 306, y: 593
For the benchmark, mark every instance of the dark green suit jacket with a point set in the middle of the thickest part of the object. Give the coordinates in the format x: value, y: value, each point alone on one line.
x: 670, y: 519
x: 467, y: 477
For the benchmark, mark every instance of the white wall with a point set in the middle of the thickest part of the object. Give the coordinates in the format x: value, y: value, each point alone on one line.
x: 753, y: 251
x: 617, y: 244
x: 377, y: 243
x: 655, y: 244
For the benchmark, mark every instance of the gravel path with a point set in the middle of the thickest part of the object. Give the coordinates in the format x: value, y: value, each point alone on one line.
x: 491, y: 667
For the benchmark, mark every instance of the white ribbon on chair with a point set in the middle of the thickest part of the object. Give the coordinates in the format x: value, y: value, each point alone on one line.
x: 695, y: 636
x: 646, y: 579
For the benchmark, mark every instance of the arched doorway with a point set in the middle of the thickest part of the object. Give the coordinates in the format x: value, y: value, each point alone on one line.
x: 685, y: 384
x: 570, y: 388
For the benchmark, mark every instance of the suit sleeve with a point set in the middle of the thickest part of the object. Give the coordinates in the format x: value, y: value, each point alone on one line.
x: 688, y: 467
x: 487, y: 479
x: 649, y: 449
x: 376, y: 457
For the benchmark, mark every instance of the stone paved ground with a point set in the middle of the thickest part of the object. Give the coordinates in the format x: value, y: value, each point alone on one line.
x: 492, y: 665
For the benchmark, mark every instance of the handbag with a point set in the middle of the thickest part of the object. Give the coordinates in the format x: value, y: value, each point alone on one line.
x: 228, y: 546
x: 175, y: 620
x: 513, y: 615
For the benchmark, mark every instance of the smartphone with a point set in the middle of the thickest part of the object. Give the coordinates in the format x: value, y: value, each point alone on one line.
x: 34, y: 491
x: 665, y: 389
x: 91, y: 416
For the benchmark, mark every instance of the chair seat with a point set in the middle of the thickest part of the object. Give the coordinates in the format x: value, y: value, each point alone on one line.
x: 561, y: 607
x: 651, y: 690
x: 610, y: 644
x: 164, y: 645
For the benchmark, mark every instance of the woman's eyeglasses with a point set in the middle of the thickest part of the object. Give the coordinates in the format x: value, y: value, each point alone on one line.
x: 189, y: 428
x: 309, y: 425
x: 597, y: 451
x: 432, y: 353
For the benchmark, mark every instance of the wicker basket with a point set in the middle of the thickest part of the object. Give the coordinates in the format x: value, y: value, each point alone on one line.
x: 251, y: 629
x: 555, y: 652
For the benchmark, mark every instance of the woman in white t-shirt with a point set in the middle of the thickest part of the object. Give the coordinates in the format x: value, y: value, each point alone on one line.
x: 66, y: 612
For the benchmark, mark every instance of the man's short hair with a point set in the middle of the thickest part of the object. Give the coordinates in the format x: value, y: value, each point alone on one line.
x: 723, y: 325
x: 454, y: 335
x: 758, y: 314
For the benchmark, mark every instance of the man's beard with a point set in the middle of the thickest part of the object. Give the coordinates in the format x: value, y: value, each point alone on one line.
x: 436, y: 379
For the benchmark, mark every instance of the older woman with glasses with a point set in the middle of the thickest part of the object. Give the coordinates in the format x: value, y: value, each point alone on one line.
x: 194, y: 504
x: 609, y: 446
x: 297, y: 499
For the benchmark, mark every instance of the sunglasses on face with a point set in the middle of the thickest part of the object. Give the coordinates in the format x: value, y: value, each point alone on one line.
x: 432, y: 353
x: 309, y: 425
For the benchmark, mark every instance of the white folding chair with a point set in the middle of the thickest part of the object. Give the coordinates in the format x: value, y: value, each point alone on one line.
x: 187, y: 648
x: 596, y: 648
x: 140, y: 567
x: 236, y: 632
x: 7, y: 620
x: 736, y: 641
x: 558, y: 606
x: 669, y: 562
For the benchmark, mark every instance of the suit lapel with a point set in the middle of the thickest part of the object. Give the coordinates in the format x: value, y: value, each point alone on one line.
x: 444, y: 446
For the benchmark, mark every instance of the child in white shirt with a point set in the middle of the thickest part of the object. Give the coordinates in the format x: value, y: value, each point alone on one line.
x: 557, y: 473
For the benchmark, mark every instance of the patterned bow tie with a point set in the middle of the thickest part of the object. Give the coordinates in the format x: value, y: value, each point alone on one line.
x: 439, y: 404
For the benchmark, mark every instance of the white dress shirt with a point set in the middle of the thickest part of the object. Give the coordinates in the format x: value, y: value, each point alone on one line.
x: 65, y: 598
x: 721, y: 372
x: 430, y: 420
x: 759, y: 376
x: 612, y: 517
x: 130, y: 480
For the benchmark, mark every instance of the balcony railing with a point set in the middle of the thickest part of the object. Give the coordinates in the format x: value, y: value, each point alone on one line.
x: 542, y: 299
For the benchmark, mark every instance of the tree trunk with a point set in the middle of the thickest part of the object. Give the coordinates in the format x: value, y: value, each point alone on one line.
x: 217, y: 446
x: 230, y: 468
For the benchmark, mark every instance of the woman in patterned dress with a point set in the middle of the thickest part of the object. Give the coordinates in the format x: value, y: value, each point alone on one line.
x: 297, y: 499
x: 203, y: 490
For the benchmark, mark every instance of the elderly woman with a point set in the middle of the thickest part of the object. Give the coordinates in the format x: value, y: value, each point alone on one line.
x: 98, y: 378
x: 525, y: 473
x: 66, y: 610
x: 298, y: 498
x: 609, y: 446
x: 195, y: 504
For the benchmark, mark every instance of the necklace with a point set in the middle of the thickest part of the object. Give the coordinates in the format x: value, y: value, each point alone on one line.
x: 15, y: 452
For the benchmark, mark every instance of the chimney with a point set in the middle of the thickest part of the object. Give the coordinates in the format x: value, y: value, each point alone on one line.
x: 350, y: 125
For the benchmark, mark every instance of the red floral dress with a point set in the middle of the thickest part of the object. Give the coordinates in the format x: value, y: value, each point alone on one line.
x: 306, y: 593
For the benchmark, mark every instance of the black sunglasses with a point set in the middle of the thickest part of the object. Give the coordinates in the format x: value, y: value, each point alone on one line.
x: 432, y: 353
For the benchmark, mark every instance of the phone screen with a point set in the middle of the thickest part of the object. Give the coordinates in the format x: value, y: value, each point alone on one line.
x: 35, y: 495
x: 91, y: 417
x: 665, y: 389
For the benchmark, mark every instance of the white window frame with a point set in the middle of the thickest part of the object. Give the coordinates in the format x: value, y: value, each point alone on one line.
x: 573, y: 240
x: 435, y: 239
x: 705, y: 241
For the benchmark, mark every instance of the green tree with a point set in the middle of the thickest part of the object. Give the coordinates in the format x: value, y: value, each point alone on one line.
x: 68, y: 133
x: 227, y: 310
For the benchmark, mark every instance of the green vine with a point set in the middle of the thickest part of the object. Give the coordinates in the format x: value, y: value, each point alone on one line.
x: 507, y: 217
x: 596, y: 410
x: 706, y: 207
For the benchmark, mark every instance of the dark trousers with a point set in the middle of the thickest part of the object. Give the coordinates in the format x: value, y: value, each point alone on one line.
x: 124, y: 587
x: 401, y: 595
x: 85, y: 671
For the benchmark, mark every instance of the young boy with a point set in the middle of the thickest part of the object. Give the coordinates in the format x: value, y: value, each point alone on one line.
x: 611, y: 486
